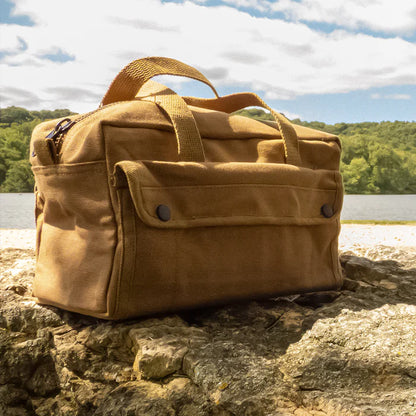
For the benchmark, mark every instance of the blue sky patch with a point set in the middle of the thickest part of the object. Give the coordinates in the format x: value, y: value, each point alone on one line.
x: 58, y: 56
x: 375, y: 104
x: 6, y: 16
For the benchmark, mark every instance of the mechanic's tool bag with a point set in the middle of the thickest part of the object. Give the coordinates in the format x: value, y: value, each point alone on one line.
x: 156, y: 202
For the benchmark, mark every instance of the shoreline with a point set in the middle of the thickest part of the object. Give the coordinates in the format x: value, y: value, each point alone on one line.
x: 374, y: 241
x: 378, y: 222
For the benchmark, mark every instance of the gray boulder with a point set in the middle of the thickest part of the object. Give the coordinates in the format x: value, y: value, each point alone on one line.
x: 351, y: 352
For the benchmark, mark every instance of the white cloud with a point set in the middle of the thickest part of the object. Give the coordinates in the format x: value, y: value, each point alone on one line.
x: 278, y: 59
x: 393, y: 17
x: 289, y: 114
x: 399, y: 96
x: 262, y: 5
x: 391, y: 96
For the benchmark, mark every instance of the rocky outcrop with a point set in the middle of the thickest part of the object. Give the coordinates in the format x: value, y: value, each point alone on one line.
x: 351, y: 352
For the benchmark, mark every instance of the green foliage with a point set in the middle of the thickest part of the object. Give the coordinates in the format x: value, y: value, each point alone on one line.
x: 13, y: 114
x: 255, y: 113
x: 16, y: 125
x: 19, y: 115
x: 357, y: 175
x: 377, y: 158
x: 19, y: 177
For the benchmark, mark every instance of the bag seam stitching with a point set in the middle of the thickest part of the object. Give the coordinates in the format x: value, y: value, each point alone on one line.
x: 250, y: 185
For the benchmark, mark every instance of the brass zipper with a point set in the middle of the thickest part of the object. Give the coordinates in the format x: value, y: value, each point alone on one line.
x: 55, y: 138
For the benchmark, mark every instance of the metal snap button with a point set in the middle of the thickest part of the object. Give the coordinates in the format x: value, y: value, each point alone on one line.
x: 163, y: 212
x: 327, y: 211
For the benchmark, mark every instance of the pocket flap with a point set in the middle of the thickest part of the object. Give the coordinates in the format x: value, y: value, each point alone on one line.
x: 238, y: 193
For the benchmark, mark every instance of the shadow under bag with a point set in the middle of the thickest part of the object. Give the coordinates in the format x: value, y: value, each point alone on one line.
x: 156, y: 202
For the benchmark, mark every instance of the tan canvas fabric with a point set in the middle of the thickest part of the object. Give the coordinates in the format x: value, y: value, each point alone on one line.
x: 250, y: 209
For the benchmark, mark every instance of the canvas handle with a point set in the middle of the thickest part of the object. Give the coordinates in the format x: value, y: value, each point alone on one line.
x: 190, y: 148
x: 131, y: 78
x: 234, y: 102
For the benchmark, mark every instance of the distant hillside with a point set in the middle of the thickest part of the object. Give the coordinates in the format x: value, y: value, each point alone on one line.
x: 377, y: 158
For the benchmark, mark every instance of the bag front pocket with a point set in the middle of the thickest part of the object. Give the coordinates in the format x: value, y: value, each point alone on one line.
x: 212, y: 232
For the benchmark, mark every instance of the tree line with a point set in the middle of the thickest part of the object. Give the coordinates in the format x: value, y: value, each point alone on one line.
x: 377, y: 158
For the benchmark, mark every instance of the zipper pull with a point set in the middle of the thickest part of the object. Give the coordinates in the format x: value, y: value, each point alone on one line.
x: 52, y: 150
x: 54, y: 138
x: 60, y: 128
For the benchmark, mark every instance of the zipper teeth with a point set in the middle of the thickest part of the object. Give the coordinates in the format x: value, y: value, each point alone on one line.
x: 86, y: 115
x: 79, y: 119
x: 58, y: 144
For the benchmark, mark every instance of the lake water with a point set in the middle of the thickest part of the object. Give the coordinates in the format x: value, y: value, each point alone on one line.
x: 17, y: 210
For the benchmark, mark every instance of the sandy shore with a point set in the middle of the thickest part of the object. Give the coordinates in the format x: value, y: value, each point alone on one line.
x: 25, y: 239
x: 355, y: 236
x: 378, y: 242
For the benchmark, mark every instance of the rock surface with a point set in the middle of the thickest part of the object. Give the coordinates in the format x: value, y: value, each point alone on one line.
x: 351, y: 352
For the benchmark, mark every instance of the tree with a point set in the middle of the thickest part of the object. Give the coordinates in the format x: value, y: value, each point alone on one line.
x: 13, y: 114
x: 357, y: 177
x: 19, y: 178
x: 390, y: 174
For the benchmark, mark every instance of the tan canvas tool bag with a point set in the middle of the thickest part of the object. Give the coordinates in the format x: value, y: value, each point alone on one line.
x: 156, y: 202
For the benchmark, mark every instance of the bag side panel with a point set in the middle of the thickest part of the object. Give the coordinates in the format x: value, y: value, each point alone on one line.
x: 77, y: 237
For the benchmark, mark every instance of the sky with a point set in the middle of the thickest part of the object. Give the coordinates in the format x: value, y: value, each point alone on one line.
x: 327, y: 60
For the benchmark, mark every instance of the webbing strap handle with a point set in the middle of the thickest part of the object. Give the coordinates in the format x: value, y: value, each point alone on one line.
x: 190, y: 148
x: 132, y: 77
x: 238, y: 101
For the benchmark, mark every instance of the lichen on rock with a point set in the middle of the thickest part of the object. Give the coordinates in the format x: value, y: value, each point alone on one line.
x: 347, y: 352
